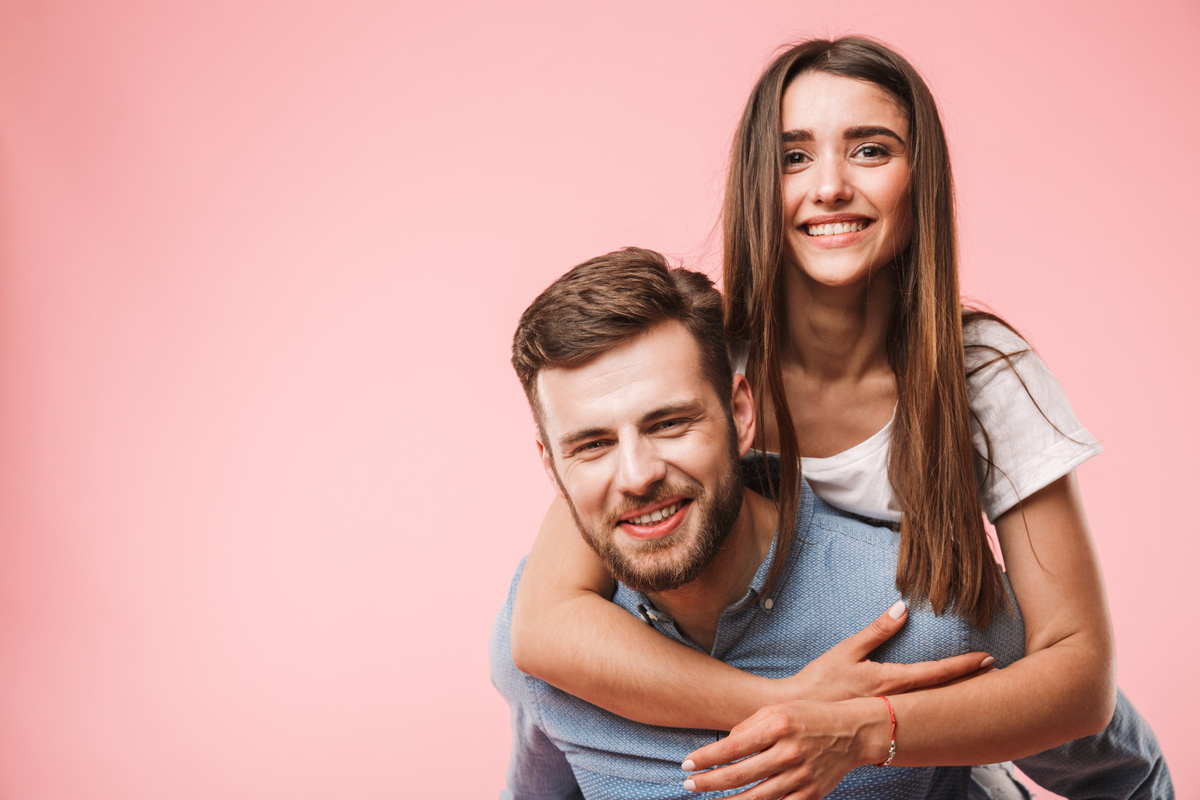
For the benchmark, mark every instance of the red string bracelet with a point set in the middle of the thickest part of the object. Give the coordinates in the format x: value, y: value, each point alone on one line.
x: 892, y: 714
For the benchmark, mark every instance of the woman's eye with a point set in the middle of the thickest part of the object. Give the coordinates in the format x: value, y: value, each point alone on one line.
x: 795, y: 158
x: 873, y: 151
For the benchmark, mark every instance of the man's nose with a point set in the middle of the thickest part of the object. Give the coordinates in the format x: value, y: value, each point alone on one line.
x: 639, y: 466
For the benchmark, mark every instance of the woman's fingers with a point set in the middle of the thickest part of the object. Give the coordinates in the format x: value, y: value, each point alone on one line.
x: 895, y: 678
x: 892, y: 678
x: 800, y: 749
x: 879, y: 631
x: 746, y: 739
x: 776, y: 787
x: 731, y: 776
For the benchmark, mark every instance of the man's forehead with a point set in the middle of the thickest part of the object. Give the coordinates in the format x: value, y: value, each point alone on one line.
x: 661, y: 367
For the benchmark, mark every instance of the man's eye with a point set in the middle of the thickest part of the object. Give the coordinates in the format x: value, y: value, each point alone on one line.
x: 667, y: 425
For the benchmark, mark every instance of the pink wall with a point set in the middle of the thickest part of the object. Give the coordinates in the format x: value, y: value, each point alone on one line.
x: 265, y: 471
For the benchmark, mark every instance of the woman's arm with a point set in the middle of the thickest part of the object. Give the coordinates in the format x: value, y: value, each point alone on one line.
x: 1064, y: 687
x: 566, y: 632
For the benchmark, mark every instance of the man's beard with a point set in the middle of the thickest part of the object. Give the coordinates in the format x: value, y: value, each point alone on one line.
x: 646, y: 566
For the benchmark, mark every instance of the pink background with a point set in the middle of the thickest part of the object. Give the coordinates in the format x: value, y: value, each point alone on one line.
x: 265, y: 470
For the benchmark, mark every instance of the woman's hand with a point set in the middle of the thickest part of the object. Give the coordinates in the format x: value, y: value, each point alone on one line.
x: 799, y: 750
x: 845, y: 672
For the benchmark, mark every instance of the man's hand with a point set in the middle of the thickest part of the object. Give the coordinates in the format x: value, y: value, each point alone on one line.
x: 844, y: 672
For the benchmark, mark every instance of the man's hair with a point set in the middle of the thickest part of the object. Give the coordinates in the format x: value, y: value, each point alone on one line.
x: 609, y: 300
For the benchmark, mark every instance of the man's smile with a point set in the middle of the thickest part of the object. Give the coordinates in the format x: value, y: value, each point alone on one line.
x: 657, y: 522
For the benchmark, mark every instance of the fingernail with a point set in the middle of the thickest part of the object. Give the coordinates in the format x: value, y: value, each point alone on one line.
x: 987, y: 662
x: 897, y: 610
x: 689, y: 766
x: 689, y: 785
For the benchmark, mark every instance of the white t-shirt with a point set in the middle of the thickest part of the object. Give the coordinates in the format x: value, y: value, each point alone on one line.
x: 1035, y: 437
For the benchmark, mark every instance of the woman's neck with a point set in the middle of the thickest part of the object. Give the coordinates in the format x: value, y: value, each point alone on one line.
x: 837, y: 333
x: 839, y: 385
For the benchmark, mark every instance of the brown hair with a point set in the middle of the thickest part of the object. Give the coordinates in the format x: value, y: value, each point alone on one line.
x: 944, y: 554
x: 609, y: 300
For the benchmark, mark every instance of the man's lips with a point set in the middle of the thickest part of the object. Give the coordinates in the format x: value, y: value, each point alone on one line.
x: 656, y: 521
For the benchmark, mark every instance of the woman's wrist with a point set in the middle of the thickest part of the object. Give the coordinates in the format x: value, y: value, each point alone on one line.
x: 872, y: 729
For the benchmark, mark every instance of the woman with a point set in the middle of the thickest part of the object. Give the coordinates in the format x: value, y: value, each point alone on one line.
x: 842, y: 290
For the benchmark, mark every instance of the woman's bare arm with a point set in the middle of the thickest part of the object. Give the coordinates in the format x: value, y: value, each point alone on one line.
x: 566, y: 632
x: 1064, y: 687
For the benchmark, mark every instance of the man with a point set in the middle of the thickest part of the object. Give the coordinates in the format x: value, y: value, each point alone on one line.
x: 641, y: 428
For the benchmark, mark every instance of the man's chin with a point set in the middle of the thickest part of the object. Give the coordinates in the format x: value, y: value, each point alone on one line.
x: 660, y: 571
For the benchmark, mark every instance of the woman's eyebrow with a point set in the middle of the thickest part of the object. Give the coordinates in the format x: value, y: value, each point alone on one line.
x: 856, y: 132
x: 867, y: 131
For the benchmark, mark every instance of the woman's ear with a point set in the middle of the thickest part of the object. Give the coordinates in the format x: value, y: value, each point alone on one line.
x: 741, y: 408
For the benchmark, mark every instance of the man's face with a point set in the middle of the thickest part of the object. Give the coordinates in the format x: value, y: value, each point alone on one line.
x: 646, y: 455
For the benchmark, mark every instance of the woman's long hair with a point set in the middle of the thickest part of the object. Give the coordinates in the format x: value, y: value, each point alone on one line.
x: 944, y: 555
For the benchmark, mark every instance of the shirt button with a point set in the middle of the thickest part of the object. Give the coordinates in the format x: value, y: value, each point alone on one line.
x: 768, y: 604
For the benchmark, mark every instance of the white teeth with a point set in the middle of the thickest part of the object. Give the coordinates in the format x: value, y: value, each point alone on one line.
x: 836, y: 227
x: 655, y: 516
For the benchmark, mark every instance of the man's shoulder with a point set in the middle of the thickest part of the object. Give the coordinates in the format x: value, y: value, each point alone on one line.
x: 513, y: 684
x: 827, y: 519
x: 814, y: 517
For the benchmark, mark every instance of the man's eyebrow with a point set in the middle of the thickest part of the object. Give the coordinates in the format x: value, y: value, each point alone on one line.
x: 684, y: 407
x: 571, y: 437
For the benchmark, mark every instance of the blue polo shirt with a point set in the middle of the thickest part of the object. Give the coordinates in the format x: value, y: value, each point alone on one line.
x: 840, y: 575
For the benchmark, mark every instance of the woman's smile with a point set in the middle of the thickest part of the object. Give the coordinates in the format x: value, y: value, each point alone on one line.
x: 845, y: 177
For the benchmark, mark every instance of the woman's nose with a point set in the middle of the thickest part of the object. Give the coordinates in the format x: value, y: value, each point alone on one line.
x: 833, y: 185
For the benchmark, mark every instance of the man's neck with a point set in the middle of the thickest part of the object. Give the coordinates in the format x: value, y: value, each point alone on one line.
x: 697, y: 606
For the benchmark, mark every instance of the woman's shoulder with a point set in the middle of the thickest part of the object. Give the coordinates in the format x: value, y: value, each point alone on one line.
x: 986, y: 336
x: 998, y: 359
x: 1022, y: 424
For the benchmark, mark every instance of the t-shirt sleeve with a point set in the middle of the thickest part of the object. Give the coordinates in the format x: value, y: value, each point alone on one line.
x: 538, y: 769
x: 1031, y: 433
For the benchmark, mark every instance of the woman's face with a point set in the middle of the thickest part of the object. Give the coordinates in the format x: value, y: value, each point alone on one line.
x: 845, y: 146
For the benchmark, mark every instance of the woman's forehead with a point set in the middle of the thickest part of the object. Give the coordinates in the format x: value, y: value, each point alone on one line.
x: 816, y: 96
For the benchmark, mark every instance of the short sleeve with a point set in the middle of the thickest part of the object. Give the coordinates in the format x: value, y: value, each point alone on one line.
x: 1032, y: 434
x: 538, y: 769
